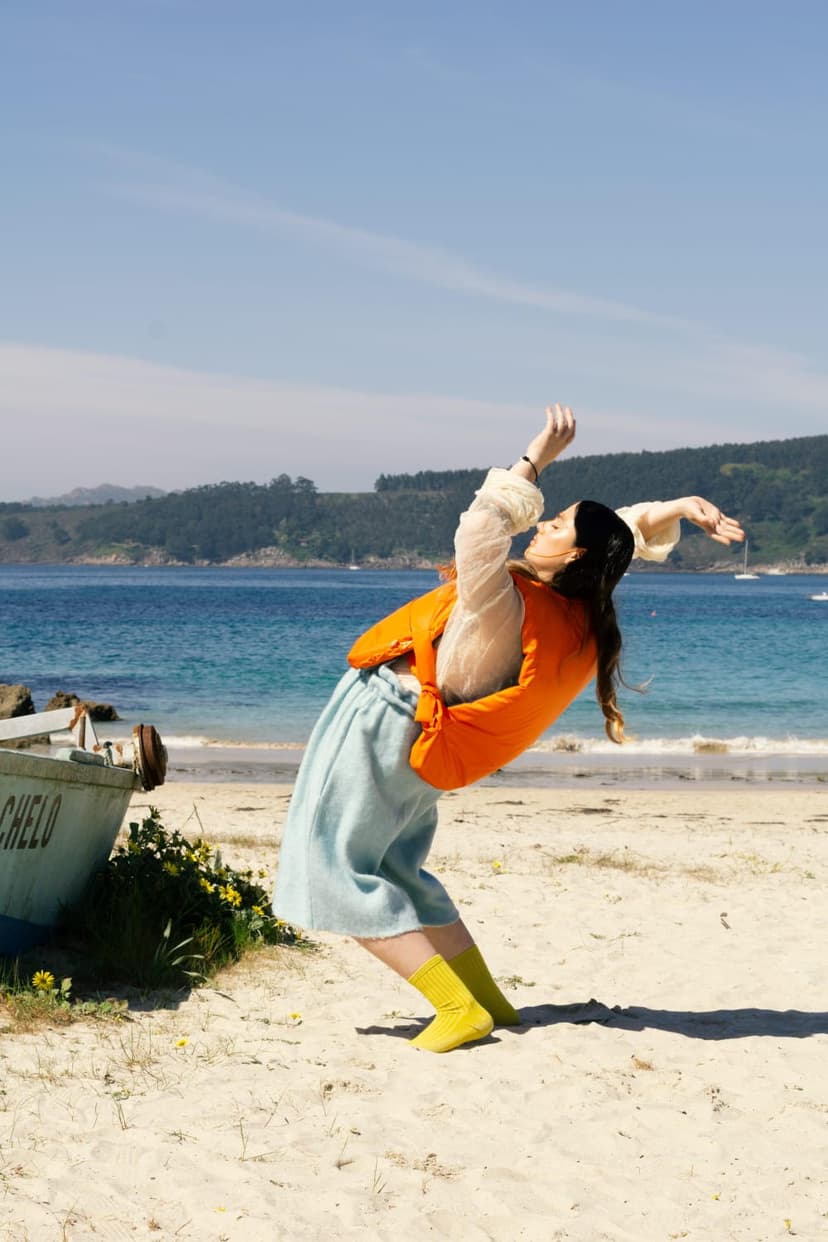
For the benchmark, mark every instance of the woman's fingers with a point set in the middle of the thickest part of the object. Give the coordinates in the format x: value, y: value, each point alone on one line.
x: 727, y: 531
x: 713, y: 522
x: 560, y: 421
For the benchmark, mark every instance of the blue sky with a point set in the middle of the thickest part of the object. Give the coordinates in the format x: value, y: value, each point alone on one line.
x: 335, y: 239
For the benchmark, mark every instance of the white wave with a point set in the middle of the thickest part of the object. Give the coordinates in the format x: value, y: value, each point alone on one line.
x: 196, y: 742
x: 696, y: 744
x: 571, y: 744
x: 185, y: 741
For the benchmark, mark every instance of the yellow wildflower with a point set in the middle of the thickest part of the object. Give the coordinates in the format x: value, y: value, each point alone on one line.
x: 206, y: 885
x: 258, y: 910
x: 497, y: 865
x: 295, y: 1017
x: 43, y: 980
x: 171, y: 868
x: 182, y: 1043
x: 229, y: 894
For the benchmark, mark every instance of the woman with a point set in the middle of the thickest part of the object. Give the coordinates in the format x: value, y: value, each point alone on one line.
x: 445, y: 691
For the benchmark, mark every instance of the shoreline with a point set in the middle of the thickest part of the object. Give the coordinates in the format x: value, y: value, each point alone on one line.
x: 773, y: 569
x: 712, y: 764
x: 216, y: 764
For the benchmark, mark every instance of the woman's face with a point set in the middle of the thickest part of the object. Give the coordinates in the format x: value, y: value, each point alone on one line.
x: 553, y: 545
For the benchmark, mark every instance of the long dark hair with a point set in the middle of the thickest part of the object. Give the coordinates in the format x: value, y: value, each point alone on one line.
x: 607, y: 546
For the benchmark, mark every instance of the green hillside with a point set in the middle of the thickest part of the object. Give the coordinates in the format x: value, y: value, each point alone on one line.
x: 778, y: 489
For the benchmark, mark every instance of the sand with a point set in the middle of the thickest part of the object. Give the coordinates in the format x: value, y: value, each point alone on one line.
x: 667, y: 950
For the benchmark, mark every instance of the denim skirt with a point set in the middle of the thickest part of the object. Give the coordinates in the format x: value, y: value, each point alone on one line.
x: 361, y: 821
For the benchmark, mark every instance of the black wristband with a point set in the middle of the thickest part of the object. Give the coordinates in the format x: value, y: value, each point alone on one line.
x: 532, y: 464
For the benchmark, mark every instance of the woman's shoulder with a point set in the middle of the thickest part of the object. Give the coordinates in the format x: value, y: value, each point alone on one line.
x: 542, y: 598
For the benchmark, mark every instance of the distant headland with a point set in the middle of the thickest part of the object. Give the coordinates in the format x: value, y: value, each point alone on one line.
x: 778, y: 489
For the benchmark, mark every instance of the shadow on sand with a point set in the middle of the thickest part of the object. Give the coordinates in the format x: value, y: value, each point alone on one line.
x: 703, y: 1024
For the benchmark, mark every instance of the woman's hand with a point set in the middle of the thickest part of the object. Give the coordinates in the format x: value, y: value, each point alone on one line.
x: 662, y: 513
x: 551, y: 442
x: 713, y: 522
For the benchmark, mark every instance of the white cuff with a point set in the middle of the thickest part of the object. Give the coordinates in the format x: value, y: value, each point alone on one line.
x: 518, y: 499
x: 659, y: 547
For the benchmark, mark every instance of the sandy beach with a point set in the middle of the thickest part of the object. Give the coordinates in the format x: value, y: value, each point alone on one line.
x: 666, y: 948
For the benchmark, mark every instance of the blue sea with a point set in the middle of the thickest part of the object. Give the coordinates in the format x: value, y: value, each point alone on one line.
x: 221, y: 658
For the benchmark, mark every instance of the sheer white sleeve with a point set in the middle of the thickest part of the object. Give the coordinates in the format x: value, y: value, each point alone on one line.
x: 659, y: 547
x: 480, y: 650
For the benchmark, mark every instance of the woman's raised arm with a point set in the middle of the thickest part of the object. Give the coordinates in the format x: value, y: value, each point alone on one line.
x: 548, y: 444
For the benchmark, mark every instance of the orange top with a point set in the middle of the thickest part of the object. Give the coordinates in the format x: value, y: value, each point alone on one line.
x: 467, y: 741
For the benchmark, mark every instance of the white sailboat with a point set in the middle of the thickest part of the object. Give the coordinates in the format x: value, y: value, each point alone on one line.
x: 745, y: 571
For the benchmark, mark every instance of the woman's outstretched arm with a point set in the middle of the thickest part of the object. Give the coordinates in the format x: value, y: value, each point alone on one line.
x: 657, y: 516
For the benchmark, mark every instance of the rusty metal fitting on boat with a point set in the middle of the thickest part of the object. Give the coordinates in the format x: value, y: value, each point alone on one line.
x: 150, y: 756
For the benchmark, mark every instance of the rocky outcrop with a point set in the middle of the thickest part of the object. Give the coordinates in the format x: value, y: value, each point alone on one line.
x: 96, y: 711
x: 17, y: 701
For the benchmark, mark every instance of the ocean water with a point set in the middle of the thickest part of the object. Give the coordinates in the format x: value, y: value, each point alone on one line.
x: 249, y: 656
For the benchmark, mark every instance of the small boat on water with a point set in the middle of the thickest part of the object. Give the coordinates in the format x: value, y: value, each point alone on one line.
x: 745, y: 574
x: 821, y: 595
x: 59, y: 816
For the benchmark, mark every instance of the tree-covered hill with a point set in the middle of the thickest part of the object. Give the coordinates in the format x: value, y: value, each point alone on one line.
x: 778, y: 489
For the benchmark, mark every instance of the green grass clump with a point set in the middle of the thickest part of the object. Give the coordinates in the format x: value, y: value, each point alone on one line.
x: 167, y: 912
x: 29, y: 1001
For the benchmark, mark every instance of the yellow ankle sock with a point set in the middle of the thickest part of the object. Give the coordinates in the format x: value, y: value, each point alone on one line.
x: 470, y: 967
x: 459, y: 1018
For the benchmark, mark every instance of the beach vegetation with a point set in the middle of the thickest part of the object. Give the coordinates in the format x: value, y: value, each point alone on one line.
x: 515, y: 981
x: 31, y: 998
x: 628, y: 862
x: 168, y: 912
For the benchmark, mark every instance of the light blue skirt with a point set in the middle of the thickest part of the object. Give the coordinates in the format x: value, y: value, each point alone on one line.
x: 361, y: 821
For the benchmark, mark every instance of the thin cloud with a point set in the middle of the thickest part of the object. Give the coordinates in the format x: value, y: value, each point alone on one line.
x: 141, y: 421
x: 705, y: 360
x: 168, y: 187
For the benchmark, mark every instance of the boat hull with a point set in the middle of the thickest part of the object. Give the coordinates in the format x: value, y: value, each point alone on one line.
x: 58, y: 823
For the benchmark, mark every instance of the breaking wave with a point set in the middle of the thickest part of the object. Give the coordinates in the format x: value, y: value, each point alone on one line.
x: 696, y: 744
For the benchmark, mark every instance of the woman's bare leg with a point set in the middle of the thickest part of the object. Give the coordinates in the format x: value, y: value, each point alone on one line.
x: 450, y: 940
x: 405, y: 954
x: 411, y: 950
x: 456, y: 943
x: 460, y: 1019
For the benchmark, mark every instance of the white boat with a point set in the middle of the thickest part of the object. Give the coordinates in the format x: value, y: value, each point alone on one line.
x: 822, y: 595
x: 745, y: 574
x: 59, y: 816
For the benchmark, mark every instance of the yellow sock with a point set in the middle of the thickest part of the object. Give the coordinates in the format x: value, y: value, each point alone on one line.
x: 459, y: 1018
x: 470, y: 967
